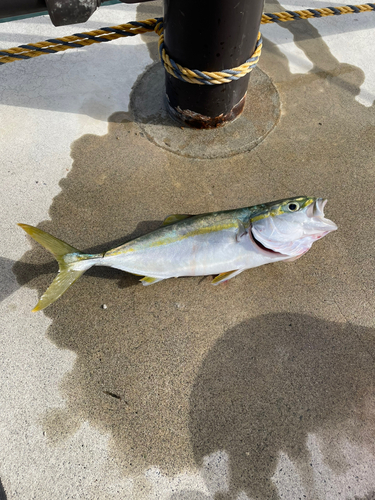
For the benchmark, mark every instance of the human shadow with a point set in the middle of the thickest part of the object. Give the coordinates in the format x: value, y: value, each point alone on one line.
x: 2, y: 492
x: 272, y: 381
x: 311, y: 42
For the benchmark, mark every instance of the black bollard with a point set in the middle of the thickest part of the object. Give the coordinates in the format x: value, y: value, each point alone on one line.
x: 209, y: 35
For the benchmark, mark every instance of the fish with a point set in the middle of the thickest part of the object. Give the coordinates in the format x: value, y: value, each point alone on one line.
x: 223, y: 244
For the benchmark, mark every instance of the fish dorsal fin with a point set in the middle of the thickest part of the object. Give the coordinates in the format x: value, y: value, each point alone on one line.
x: 171, y: 219
x: 225, y: 276
x: 147, y: 280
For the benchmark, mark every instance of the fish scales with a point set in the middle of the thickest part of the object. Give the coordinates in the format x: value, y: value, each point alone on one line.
x: 219, y: 243
x: 197, y: 246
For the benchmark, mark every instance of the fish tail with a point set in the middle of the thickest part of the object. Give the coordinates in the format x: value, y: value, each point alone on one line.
x: 72, y: 264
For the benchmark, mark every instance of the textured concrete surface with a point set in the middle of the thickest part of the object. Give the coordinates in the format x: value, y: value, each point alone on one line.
x: 262, y: 388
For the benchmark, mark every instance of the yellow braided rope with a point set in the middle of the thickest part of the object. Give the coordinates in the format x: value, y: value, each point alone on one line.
x: 130, y: 29
x: 215, y: 77
x: 58, y: 47
x: 306, y: 14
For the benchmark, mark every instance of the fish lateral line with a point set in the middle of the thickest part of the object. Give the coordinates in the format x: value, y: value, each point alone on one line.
x: 232, y: 241
x: 169, y: 239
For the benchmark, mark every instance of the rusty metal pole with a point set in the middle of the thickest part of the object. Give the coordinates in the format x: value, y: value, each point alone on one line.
x: 209, y: 35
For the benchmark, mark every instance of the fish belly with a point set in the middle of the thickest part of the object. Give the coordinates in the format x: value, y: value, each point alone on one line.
x: 198, y: 255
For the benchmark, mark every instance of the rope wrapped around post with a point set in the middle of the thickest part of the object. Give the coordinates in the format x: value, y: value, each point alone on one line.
x: 206, y: 77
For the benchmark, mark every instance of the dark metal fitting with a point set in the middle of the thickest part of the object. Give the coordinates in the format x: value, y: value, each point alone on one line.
x: 135, y: 1
x: 64, y: 12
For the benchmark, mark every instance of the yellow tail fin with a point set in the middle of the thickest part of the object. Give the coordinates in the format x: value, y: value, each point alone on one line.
x: 67, y: 257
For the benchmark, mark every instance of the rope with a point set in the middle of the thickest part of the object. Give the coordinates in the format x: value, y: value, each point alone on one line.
x: 288, y: 15
x: 78, y: 40
x: 133, y: 28
x: 206, y: 77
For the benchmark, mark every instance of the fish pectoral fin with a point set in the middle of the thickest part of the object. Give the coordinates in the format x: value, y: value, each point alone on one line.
x: 171, y: 219
x: 242, y: 231
x: 147, y: 280
x: 225, y: 276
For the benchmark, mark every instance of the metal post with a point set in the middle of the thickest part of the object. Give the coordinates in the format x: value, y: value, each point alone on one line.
x: 209, y: 35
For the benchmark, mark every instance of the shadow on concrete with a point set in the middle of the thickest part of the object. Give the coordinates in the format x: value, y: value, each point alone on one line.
x: 8, y: 283
x: 148, y: 10
x: 2, y: 492
x: 269, y: 383
x: 369, y: 496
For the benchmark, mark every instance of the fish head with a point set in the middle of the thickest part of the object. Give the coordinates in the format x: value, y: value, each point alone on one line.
x: 291, y: 226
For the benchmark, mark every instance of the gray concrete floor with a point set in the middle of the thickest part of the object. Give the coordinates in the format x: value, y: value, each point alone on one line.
x: 262, y: 388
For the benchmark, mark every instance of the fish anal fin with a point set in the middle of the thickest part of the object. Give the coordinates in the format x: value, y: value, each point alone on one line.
x: 171, y: 219
x: 147, y: 280
x: 225, y: 276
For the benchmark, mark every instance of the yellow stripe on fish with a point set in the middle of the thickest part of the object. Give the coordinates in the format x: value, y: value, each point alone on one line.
x: 219, y: 243
x: 167, y: 240
x: 281, y: 209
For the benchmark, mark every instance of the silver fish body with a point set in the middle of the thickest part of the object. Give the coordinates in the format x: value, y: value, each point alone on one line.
x: 220, y: 243
x: 198, y: 246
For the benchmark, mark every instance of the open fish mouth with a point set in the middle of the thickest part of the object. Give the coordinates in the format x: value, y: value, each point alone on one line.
x: 316, y: 212
x: 316, y: 208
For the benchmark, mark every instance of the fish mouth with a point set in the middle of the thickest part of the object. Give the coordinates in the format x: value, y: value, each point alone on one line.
x: 316, y: 211
x: 316, y: 208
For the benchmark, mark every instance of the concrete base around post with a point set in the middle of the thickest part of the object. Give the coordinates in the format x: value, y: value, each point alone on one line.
x: 167, y: 128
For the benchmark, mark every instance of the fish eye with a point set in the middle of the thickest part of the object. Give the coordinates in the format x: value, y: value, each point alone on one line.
x: 293, y: 207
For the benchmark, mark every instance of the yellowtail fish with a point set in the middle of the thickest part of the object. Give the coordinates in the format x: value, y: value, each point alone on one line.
x: 219, y: 243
